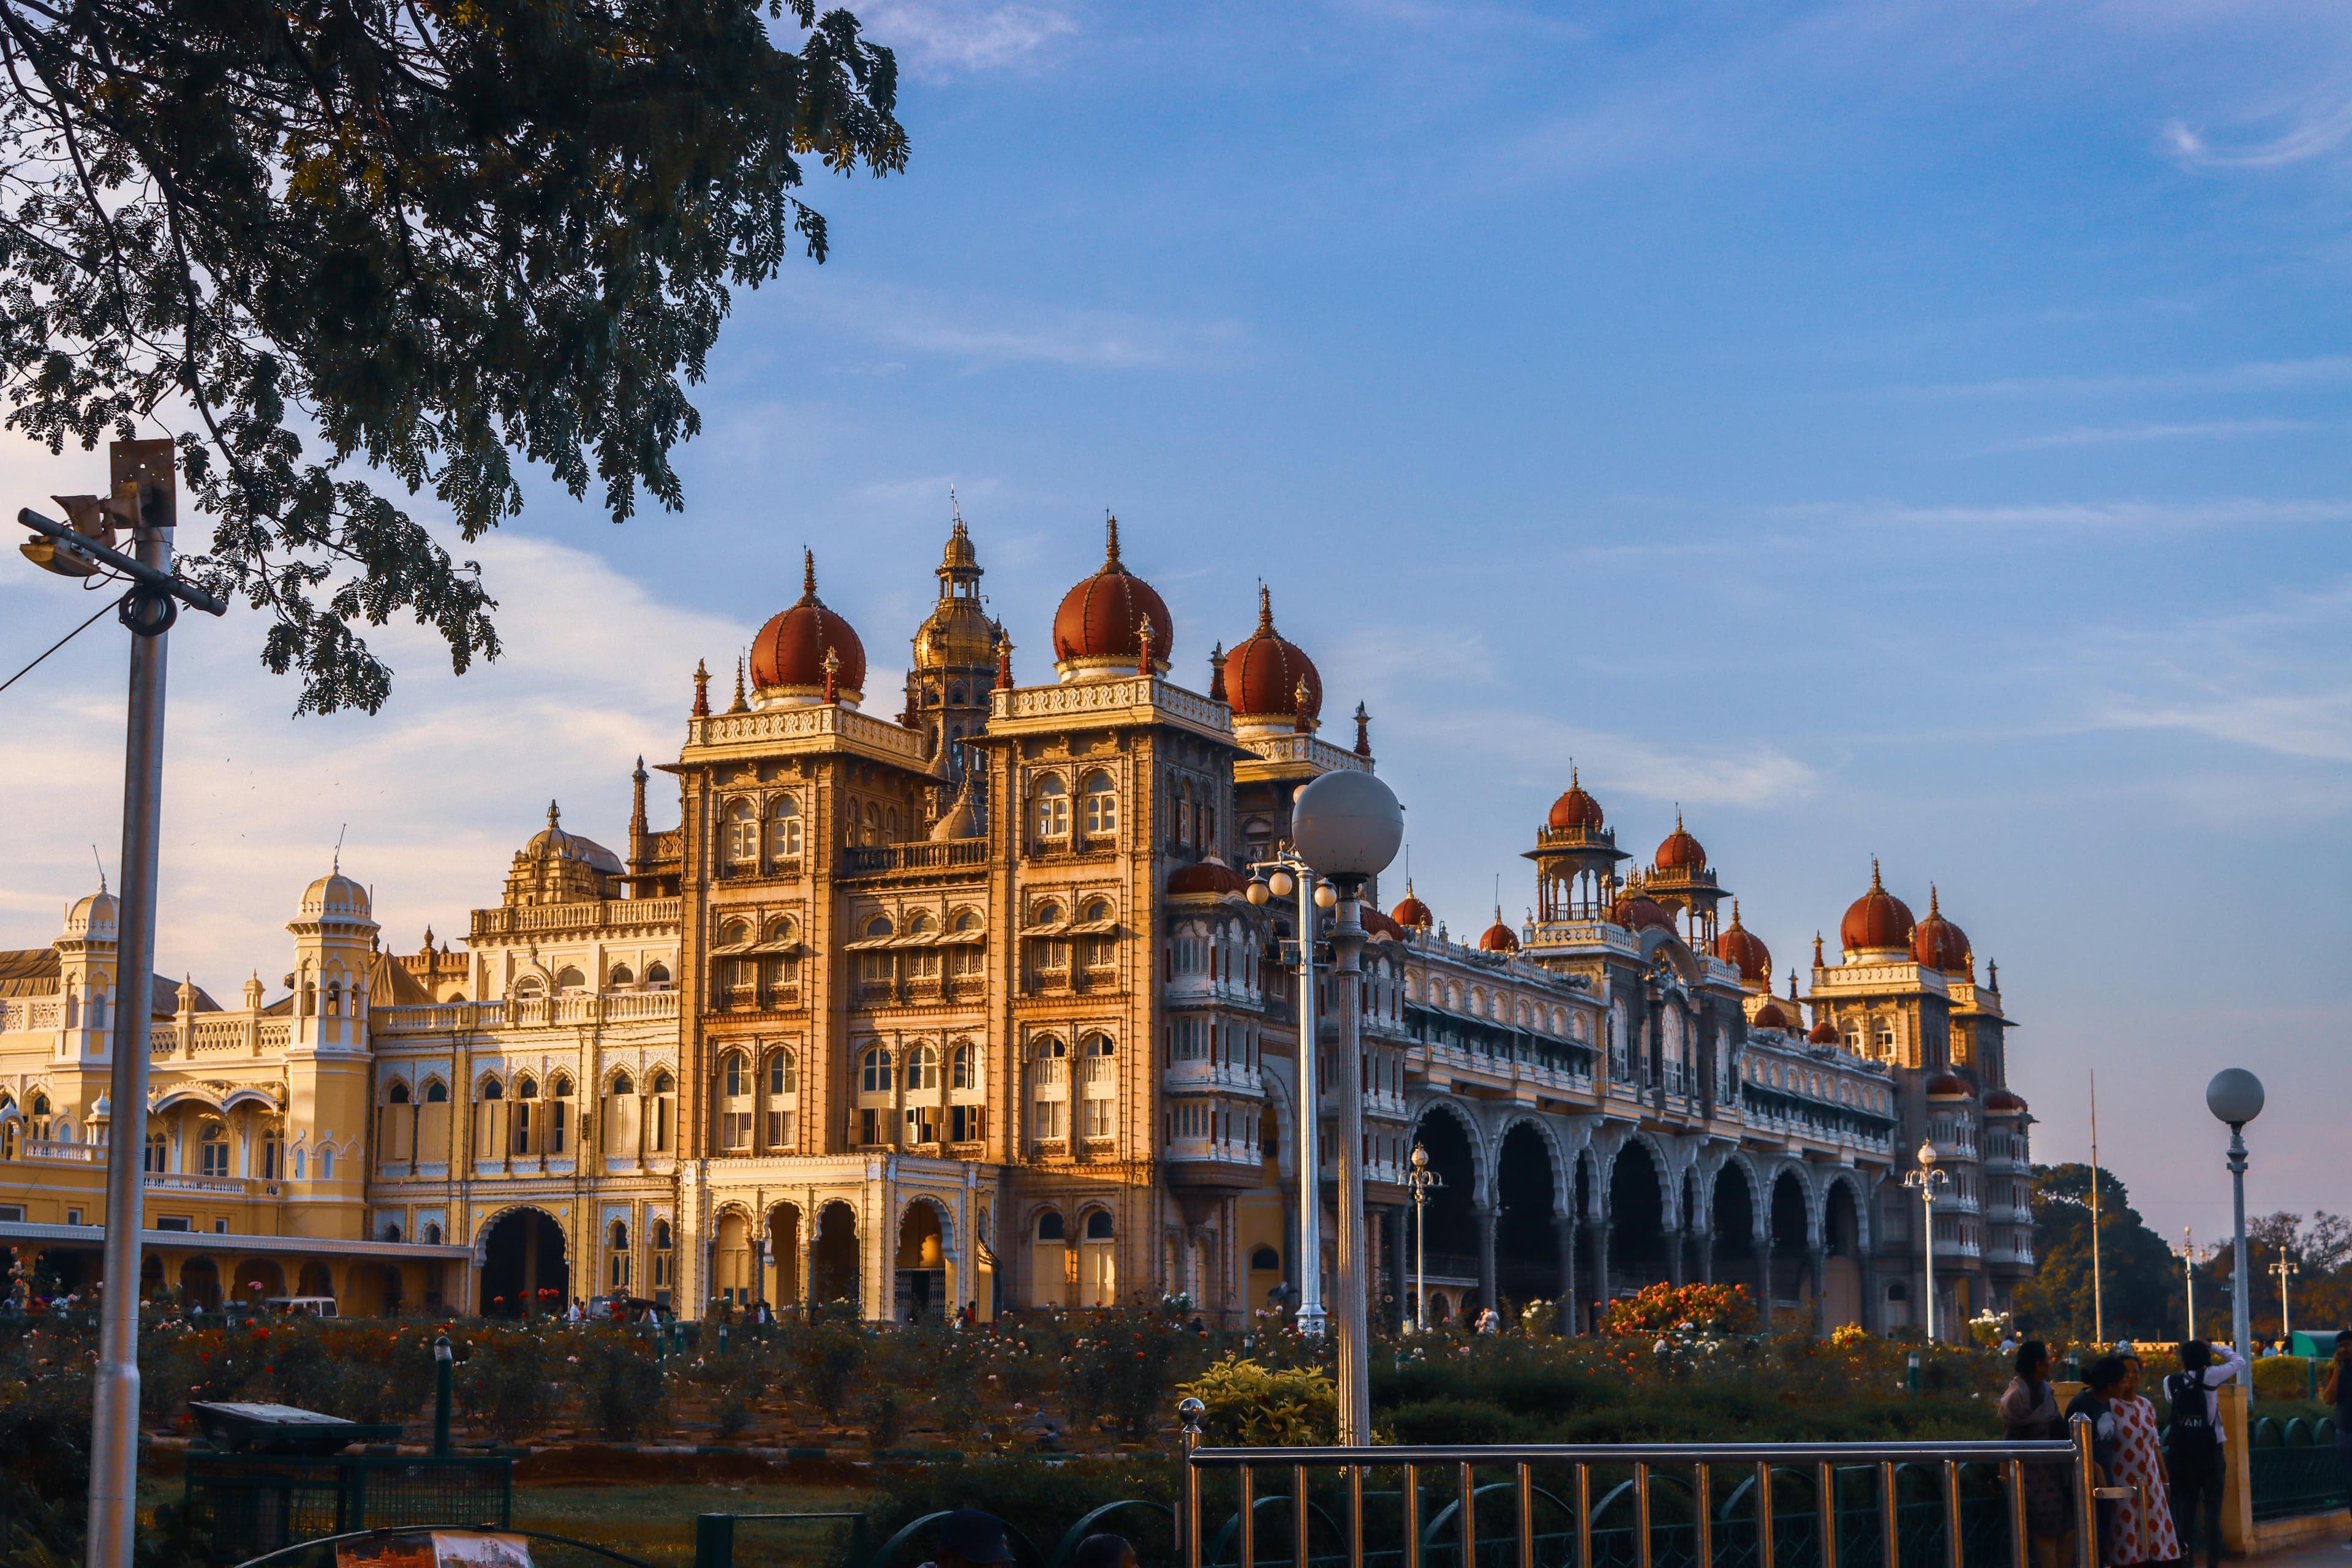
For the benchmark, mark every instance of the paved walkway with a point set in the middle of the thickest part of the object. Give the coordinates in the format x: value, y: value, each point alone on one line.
x: 2314, y: 1554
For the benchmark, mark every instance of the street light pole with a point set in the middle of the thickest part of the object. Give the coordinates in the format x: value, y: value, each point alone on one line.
x: 2235, y: 1097
x: 143, y: 498
x: 1927, y: 1179
x: 2187, y: 1253
x: 2287, y: 1269
x: 1278, y: 877
x: 1418, y: 1180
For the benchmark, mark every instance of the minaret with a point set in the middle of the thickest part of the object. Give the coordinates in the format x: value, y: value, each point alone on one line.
x: 956, y: 661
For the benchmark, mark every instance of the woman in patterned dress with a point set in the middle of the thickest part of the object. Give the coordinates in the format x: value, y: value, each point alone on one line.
x: 2143, y: 1532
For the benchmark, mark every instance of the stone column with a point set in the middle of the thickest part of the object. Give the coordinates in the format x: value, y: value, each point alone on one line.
x: 1486, y: 1214
x: 1599, y: 1233
x: 1570, y: 1313
x: 1817, y: 1264
x: 1873, y: 1313
x: 1764, y: 1278
x: 1674, y: 1239
x: 1707, y: 1256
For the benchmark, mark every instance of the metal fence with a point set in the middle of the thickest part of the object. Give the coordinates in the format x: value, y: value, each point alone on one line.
x: 2296, y: 1469
x: 1772, y: 1505
x: 260, y: 1503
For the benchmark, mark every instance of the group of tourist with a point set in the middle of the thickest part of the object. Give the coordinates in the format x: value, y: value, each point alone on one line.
x: 2156, y: 1495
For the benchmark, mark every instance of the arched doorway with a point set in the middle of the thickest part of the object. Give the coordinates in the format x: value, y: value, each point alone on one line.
x: 919, y: 1273
x: 258, y: 1279
x: 1449, y: 1239
x: 1637, y: 1222
x: 731, y: 1264
x: 784, y: 1249
x: 1842, y: 1269
x: 200, y: 1284
x: 1791, y: 1291
x: 524, y: 1269
x: 313, y: 1278
x: 834, y: 1260
x: 1732, y: 1221
x: 1527, y: 1228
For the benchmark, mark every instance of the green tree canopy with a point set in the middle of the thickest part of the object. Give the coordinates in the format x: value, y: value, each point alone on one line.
x: 421, y: 235
x: 2140, y: 1279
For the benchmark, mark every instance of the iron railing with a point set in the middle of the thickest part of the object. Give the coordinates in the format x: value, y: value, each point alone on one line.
x: 1705, y: 1505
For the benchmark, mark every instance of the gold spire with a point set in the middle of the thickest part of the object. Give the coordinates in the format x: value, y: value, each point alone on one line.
x: 1110, y: 544
x: 740, y: 706
x: 1876, y: 885
x: 808, y: 576
x: 1264, y: 611
x: 1932, y: 907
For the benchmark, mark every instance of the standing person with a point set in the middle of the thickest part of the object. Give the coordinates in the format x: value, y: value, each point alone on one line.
x: 2144, y: 1531
x: 2196, y: 1464
x: 2096, y: 1404
x: 2335, y: 1388
x: 2029, y: 1414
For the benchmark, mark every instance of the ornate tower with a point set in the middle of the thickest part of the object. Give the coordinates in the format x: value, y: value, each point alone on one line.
x: 954, y: 664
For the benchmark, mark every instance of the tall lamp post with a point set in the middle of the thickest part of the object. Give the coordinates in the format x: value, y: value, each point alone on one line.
x: 1279, y: 877
x: 2287, y: 1269
x: 144, y: 501
x: 1925, y: 1181
x: 2235, y: 1097
x: 1347, y: 826
x: 1418, y: 1180
x: 2187, y: 1253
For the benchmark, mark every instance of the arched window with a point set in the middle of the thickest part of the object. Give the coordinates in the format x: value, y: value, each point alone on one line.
x: 873, y: 823
x: 923, y: 1067
x: 967, y: 920
x: 740, y: 835
x: 878, y: 926
x: 735, y: 1110
x: 616, y: 1249
x: 1053, y: 815
x: 529, y: 988
x: 921, y: 924
x: 782, y: 932
x: 1049, y: 1226
x: 1887, y: 1036
x: 570, y: 980
x: 1098, y: 1226
x: 657, y: 975
x: 621, y: 1084
x: 664, y: 1083
x: 617, y: 1236
x: 212, y: 1150
x: 1101, y: 808
x: 526, y: 1090
x: 622, y: 976
x: 432, y: 1236
x: 874, y: 1070
x: 1099, y: 1086
x: 1050, y: 1083
x: 735, y: 934
x: 493, y: 1090
x: 783, y: 1097
x: 436, y: 1092
x: 1264, y: 1259
x: 784, y: 829
x: 326, y: 1162
x: 783, y: 1073
x: 964, y: 1066
x: 396, y: 1095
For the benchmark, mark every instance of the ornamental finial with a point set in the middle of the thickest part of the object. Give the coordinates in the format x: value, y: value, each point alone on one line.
x: 1110, y: 543
x: 1264, y: 611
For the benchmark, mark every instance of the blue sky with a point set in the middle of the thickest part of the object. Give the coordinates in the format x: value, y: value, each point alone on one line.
x: 1903, y: 429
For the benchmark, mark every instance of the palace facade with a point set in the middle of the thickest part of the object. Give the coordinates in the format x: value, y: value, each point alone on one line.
x: 968, y: 1005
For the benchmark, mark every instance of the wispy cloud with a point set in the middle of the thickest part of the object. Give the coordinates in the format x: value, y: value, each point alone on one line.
x: 2315, y: 134
x: 2241, y: 512
x: 2277, y: 678
x: 2265, y: 375
x: 948, y: 38
x: 2127, y: 434
x: 982, y: 333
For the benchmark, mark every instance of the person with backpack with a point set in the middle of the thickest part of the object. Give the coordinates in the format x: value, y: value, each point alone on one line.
x: 2102, y: 1381
x: 2196, y: 1463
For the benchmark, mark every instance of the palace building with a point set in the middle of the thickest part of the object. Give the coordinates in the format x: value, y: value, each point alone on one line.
x: 967, y: 1004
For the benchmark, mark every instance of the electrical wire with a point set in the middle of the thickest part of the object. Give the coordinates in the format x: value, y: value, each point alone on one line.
x: 53, y: 648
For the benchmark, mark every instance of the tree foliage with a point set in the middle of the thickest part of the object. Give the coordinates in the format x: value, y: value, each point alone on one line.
x: 2140, y: 1282
x: 417, y: 236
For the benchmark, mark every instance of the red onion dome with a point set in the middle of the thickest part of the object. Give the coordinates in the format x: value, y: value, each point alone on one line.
x: 1769, y: 1016
x: 1636, y: 911
x: 1680, y: 851
x: 1099, y: 626
x: 1576, y: 808
x: 787, y: 656
x: 1411, y: 913
x: 1265, y: 671
x: 1824, y: 1033
x: 1208, y: 876
x: 1498, y: 937
x: 1951, y: 1088
x: 1379, y: 924
x: 1936, y: 942
x: 1744, y: 950
x: 2002, y: 1101
x: 1877, y: 919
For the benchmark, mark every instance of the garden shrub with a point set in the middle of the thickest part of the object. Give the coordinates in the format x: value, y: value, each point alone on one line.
x: 623, y: 1394
x: 827, y: 1358
x: 1450, y: 1421
x: 1249, y: 1406
x: 507, y: 1383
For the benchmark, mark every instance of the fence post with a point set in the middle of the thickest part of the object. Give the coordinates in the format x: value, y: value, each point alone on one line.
x: 1189, y: 1412
x: 2237, y: 1471
x: 714, y: 1541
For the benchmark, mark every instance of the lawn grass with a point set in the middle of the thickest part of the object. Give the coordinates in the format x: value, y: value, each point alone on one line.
x: 656, y: 1522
